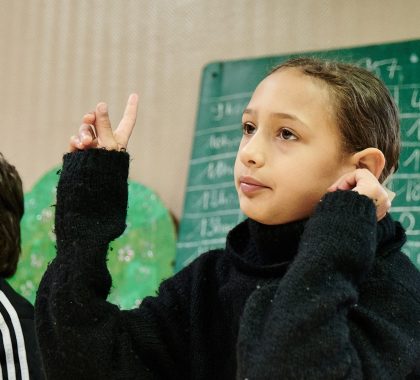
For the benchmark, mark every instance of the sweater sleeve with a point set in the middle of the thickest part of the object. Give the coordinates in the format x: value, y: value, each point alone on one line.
x: 81, y: 335
x: 339, y: 312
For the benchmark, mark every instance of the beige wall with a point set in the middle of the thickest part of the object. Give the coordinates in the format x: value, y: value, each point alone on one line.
x: 58, y: 58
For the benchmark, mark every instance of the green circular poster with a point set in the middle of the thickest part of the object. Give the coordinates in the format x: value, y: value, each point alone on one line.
x: 138, y: 260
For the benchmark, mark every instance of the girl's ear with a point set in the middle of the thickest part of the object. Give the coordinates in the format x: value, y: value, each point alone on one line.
x: 370, y: 158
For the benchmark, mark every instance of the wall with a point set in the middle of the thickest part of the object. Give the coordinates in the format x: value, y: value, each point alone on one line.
x: 59, y: 58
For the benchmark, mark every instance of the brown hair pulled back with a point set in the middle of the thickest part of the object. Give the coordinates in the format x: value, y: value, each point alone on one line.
x: 11, y: 212
x: 365, y: 112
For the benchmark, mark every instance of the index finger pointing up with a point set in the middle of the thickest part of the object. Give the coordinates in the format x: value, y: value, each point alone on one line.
x: 126, y: 125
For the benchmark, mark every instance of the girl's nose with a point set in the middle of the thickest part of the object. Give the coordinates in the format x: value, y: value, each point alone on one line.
x: 252, y: 153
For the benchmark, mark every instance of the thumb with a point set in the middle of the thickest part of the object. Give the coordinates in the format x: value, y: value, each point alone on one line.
x: 346, y: 182
x: 89, y: 118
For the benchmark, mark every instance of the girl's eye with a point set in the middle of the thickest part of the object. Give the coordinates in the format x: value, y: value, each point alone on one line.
x: 285, y: 134
x: 248, y: 129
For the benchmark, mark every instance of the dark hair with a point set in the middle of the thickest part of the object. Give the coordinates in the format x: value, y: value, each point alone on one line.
x: 11, y: 212
x: 365, y: 112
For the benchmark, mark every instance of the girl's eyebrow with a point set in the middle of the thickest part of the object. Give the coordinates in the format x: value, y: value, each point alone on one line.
x: 277, y: 115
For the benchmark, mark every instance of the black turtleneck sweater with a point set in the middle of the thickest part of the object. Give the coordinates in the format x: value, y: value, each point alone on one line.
x: 327, y: 298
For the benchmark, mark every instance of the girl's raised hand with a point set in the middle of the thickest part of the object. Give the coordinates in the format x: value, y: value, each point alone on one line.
x: 96, y: 130
x: 364, y: 182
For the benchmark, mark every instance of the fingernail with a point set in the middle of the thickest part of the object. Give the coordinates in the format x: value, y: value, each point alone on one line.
x: 102, y: 107
x: 86, y: 136
x: 132, y: 99
x: 391, y: 194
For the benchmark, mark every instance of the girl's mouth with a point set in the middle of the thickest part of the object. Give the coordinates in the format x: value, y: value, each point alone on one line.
x: 250, y: 185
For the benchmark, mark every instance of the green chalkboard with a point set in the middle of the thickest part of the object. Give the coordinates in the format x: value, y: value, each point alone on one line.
x: 211, y: 207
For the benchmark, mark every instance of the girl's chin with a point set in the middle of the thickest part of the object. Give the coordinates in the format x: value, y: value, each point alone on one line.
x: 272, y: 220
x: 261, y: 218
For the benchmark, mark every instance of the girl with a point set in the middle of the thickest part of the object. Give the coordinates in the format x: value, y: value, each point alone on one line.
x: 311, y: 286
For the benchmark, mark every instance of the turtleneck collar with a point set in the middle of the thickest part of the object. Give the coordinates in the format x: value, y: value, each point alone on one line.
x: 269, y: 249
x: 390, y: 235
x: 266, y: 249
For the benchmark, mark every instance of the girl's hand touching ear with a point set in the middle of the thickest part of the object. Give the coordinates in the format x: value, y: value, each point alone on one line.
x: 96, y: 130
x: 365, y: 183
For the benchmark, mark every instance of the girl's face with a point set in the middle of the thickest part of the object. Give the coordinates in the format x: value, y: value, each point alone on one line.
x: 290, y: 151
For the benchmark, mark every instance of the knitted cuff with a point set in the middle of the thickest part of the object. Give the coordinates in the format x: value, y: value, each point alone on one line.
x: 92, y: 197
x: 347, y: 202
x: 96, y: 161
x: 341, y: 235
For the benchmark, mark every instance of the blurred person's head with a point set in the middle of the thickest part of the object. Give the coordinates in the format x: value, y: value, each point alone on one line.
x: 11, y: 212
